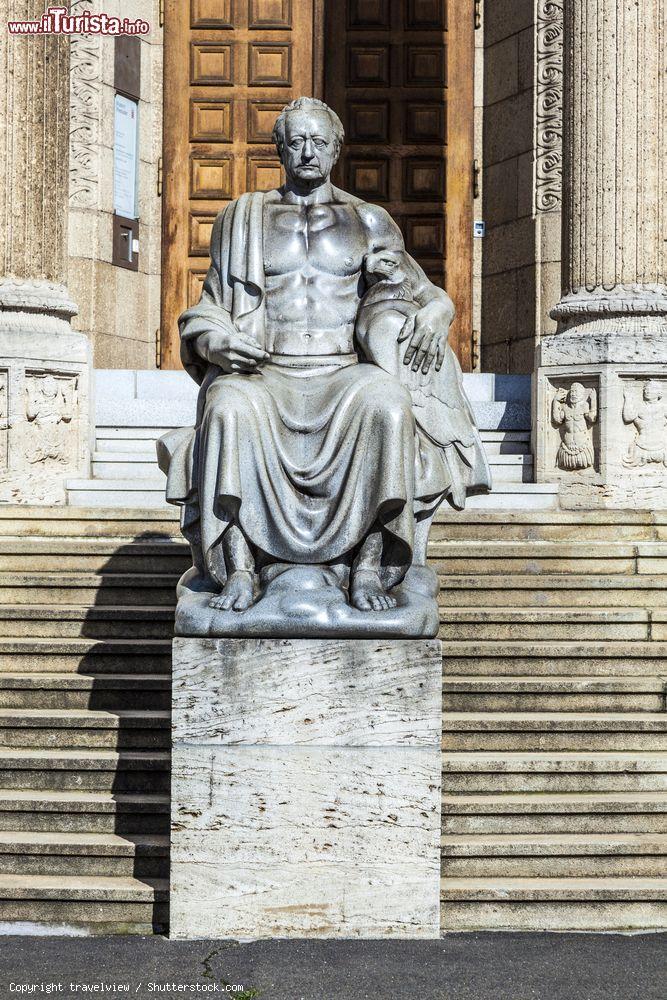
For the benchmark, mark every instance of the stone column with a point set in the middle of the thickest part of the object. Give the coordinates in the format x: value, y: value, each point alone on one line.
x: 601, y: 387
x: 44, y: 364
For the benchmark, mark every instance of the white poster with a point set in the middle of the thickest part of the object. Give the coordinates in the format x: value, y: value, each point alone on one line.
x: 125, y: 155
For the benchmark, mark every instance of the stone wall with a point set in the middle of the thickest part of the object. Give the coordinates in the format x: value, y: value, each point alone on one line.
x: 521, y: 178
x: 119, y: 309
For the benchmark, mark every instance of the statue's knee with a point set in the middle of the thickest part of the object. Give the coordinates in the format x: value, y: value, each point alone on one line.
x: 389, y: 400
x: 225, y: 402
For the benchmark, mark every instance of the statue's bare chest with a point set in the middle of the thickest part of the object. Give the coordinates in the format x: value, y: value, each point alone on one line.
x: 327, y: 238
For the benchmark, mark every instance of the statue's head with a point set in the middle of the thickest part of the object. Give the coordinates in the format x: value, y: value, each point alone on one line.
x: 577, y: 393
x: 308, y: 136
x: 652, y: 391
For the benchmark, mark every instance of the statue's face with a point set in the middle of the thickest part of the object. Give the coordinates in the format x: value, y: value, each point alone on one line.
x: 310, y: 150
x: 576, y: 392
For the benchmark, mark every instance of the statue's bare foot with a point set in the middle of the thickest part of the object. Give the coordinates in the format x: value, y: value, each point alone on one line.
x: 237, y: 593
x: 368, y: 594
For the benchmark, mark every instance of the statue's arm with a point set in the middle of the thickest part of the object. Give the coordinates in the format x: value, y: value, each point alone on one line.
x: 208, y: 334
x: 427, y: 330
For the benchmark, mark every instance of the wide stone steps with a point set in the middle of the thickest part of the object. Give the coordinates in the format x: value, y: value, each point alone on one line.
x: 554, y: 633
x: 568, y: 771
x: 96, y: 903
x: 85, y: 656
x: 555, y: 904
x: 69, y: 690
x: 588, y: 658
x: 84, y: 728
x: 84, y: 854
x: 537, y: 732
x: 563, y: 812
x: 467, y: 693
x: 83, y: 811
x: 128, y: 771
x: 77, y: 621
x: 567, y: 855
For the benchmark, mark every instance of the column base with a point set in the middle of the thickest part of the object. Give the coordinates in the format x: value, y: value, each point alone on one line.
x: 600, y: 416
x: 306, y: 788
x: 45, y: 429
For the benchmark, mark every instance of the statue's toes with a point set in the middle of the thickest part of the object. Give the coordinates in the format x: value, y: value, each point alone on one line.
x: 376, y: 603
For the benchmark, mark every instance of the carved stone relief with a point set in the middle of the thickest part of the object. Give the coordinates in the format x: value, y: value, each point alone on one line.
x: 549, y: 106
x: 4, y: 417
x: 85, y: 68
x: 646, y: 412
x: 574, y: 411
x: 51, y: 403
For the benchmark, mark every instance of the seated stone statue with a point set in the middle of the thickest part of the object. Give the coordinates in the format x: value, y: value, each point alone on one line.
x: 331, y: 421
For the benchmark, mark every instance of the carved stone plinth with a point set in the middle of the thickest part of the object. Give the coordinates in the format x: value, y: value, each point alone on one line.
x: 305, y: 788
x: 601, y: 387
x: 44, y: 394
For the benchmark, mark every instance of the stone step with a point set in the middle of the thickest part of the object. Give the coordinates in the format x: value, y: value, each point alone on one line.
x: 554, y: 856
x: 553, y: 590
x: 477, y: 773
x: 131, y: 772
x: 579, y: 812
x: 73, y: 622
x: 93, y: 555
x: 558, y: 904
x: 541, y: 889
x: 85, y: 656
x: 587, y: 658
x: 469, y: 693
x: 543, y: 732
x: 84, y: 728
x: 534, y: 558
x: 95, y: 691
x: 510, y: 623
x: 148, y: 493
x: 83, y: 812
x: 549, y: 526
x: 511, y: 496
x: 96, y: 904
x: 126, y: 465
x: 84, y: 854
x: 89, y: 522
x: 88, y: 588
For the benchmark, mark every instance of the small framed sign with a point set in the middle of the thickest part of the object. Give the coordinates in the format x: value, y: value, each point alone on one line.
x: 125, y: 156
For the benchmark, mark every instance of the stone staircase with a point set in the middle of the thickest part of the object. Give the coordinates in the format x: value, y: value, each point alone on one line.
x: 134, y: 409
x: 554, y: 627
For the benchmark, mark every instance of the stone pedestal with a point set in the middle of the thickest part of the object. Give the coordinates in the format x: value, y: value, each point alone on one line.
x: 44, y: 364
x: 305, y: 788
x: 601, y: 389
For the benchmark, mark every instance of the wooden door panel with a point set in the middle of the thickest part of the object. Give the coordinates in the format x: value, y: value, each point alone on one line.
x: 230, y: 67
x: 400, y: 75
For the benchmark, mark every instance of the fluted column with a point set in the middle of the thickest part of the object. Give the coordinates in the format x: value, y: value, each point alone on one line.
x: 44, y: 365
x: 611, y: 340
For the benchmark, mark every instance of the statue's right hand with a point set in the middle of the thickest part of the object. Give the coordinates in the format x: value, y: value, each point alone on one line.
x: 231, y: 350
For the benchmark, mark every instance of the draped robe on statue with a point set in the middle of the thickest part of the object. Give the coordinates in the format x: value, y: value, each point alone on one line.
x: 306, y: 454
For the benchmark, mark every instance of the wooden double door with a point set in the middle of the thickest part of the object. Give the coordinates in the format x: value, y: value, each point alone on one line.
x: 398, y: 72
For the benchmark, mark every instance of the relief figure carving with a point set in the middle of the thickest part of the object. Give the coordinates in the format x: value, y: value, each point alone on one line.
x: 50, y: 404
x: 574, y: 411
x: 649, y: 417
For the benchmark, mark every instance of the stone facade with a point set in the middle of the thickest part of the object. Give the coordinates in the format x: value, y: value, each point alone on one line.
x: 119, y: 309
x: 522, y: 138
x: 612, y: 315
x: 44, y: 364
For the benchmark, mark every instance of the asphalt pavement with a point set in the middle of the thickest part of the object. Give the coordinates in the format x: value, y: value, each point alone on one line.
x: 483, y: 966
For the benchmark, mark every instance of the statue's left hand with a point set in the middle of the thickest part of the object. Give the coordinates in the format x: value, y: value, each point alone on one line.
x: 428, y: 336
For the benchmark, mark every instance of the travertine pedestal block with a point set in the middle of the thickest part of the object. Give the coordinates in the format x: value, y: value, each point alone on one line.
x: 305, y: 788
